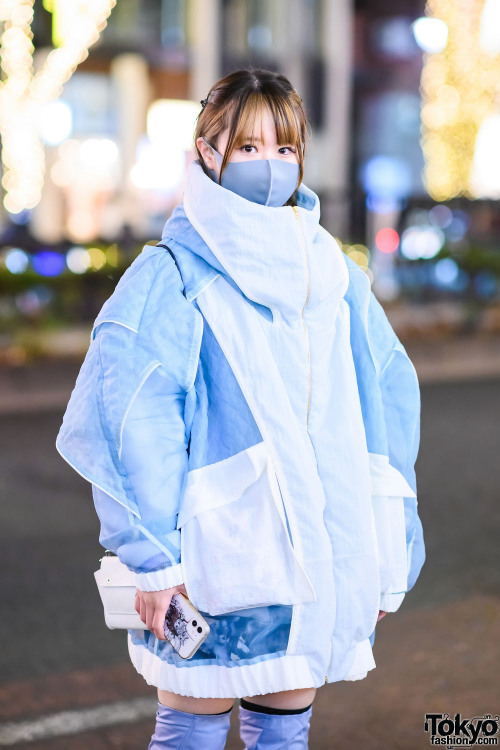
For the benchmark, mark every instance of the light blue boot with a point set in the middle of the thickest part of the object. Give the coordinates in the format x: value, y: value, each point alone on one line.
x: 177, y: 730
x: 264, y: 731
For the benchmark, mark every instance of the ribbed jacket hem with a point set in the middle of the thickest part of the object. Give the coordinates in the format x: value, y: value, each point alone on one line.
x: 157, y: 580
x: 213, y: 681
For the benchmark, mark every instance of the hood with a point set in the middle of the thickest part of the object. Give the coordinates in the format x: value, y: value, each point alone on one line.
x: 278, y: 257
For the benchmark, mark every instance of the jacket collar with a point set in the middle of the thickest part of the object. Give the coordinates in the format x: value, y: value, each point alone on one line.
x: 261, y: 249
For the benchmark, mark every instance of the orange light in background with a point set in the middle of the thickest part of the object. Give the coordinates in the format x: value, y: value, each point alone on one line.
x: 387, y: 240
x: 25, y: 93
x: 459, y: 87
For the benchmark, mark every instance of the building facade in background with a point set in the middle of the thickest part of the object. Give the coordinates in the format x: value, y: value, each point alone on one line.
x: 379, y: 81
x: 130, y: 107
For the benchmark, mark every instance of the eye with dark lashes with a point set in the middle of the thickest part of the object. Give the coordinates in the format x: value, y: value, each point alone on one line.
x: 252, y: 145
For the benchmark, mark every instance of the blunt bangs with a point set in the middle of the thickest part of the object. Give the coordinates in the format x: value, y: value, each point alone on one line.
x: 285, y: 121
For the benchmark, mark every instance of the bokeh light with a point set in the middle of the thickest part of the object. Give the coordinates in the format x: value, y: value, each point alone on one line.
x: 16, y: 260
x: 446, y: 272
x: 359, y: 254
x: 97, y: 258
x: 431, y: 34
x: 421, y: 242
x: 387, y: 240
x: 440, y: 216
x: 56, y: 123
x: 459, y: 85
x: 386, y: 177
x: 78, y: 260
x: 48, y: 263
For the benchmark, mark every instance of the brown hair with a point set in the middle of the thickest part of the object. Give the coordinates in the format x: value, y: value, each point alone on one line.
x: 236, y: 100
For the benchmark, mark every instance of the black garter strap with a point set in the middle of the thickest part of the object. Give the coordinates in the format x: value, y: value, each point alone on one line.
x: 268, y: 710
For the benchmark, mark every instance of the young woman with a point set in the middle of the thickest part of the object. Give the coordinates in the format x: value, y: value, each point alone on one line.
x: 250, y: 423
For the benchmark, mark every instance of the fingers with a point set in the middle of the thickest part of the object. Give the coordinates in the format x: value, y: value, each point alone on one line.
x: 142, y: 611
x: 152, y: 609
x: 140, y: 606
x: 158, y: 621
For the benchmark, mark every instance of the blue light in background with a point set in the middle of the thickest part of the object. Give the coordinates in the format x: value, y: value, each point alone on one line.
x: 446, y: 272
x: 386, y: 176
x: 48, y: 263
x: 16, y: 260
x: 458, y: 225
x: 485, y: 284
x: 21, y: 218
x: 381, y: 204
x: 441, y: 216
x: 447, y: 275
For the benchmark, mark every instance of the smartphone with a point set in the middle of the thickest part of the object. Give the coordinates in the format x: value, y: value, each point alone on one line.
x: 185, y: 629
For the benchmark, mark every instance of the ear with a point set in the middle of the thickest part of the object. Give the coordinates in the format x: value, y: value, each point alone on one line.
x: 207, y: 154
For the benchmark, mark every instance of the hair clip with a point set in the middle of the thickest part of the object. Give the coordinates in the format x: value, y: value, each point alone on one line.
x: 203, y: 103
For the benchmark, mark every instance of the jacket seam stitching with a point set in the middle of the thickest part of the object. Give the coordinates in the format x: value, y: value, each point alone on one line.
x: 194, y: 350
x: 151, y: 367
x: 102, y: 416
x: 149, y: 291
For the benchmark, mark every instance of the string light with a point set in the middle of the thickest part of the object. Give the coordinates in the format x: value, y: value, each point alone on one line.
x: 358, y: 253
x: 24, y: 93
x: 459, y: 85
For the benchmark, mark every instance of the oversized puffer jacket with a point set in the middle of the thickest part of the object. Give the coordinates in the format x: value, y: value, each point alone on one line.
x: 249, y: 422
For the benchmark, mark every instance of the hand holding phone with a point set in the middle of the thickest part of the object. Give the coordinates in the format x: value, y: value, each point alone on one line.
x: 185, y: 628
x: 169, y: 615
x: 152, y: 606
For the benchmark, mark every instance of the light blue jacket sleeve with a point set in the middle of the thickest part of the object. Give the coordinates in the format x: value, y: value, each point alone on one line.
x: 154, y: 457
x: 400, y: 393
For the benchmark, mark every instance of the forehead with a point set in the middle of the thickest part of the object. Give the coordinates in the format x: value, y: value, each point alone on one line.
x: 267, y: 122
x: 261, y: 129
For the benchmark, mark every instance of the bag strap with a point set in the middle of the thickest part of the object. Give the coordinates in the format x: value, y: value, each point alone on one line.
x: 177, y: 265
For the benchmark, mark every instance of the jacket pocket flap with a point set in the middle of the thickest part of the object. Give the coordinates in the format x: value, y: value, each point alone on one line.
x: 386, y: 480
x: 221, y: 483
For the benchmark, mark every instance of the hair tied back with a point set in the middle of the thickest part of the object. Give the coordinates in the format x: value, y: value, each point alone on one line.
x: 203, y: 103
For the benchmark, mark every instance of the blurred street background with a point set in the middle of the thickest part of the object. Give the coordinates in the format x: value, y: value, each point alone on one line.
x: 98, y: 104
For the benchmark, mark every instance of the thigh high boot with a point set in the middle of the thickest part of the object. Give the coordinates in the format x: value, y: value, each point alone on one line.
x: 177, y: 730
x: 263, y: 728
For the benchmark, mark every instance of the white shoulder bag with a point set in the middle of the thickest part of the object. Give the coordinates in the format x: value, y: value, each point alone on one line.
x: 116, y: 584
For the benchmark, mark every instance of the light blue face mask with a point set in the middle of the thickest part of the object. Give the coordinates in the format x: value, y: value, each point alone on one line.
x: 269, y: 182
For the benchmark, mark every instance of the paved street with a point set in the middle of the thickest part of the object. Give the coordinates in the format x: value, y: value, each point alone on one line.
x: 439, y: 653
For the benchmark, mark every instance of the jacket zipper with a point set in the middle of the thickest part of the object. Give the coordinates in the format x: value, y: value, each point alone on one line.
x: 297, y: 216
x: 303, y: 242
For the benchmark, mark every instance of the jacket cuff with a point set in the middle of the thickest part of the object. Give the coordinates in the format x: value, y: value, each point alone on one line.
x: 157, y: 580
x: 391, y: 602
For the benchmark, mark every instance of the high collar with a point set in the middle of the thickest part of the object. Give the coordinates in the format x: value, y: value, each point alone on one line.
x: 265, y: 251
